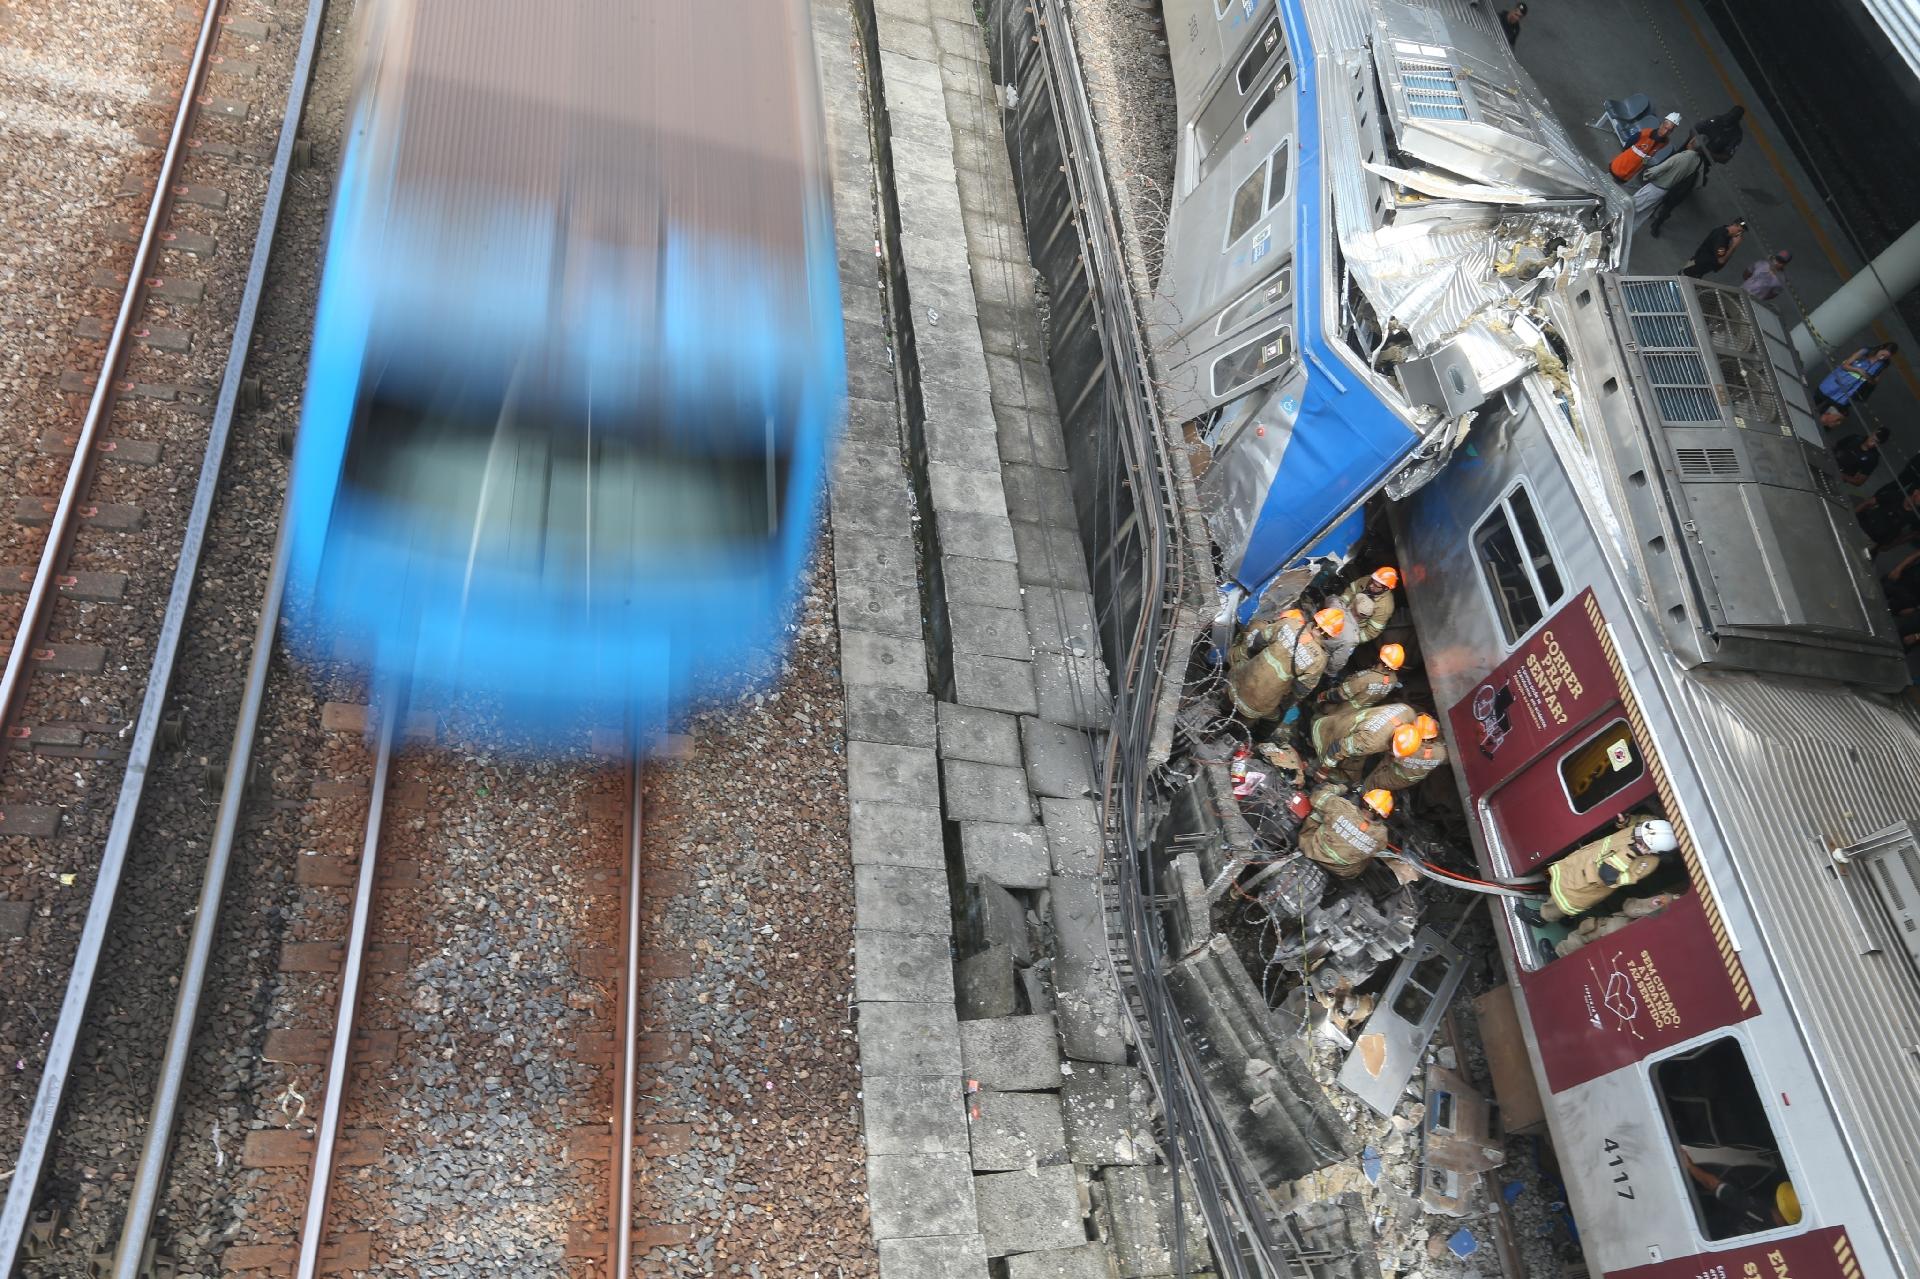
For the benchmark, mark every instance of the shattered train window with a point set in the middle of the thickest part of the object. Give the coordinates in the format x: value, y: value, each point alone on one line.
x: 1724, y: 1142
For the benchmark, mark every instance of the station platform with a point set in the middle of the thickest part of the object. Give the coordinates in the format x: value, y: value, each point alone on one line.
x: 1582, y: 54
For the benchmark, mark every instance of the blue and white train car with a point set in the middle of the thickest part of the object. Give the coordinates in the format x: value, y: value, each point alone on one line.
x: 578, y: 358
x: 1368, y: 201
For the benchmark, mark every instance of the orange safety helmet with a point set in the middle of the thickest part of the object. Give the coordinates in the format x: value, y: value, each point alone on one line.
x: 1429, y: 727
x: 1387, y: 575
x: 1380, y: 801
x: 1293, y: 614
x: 1331, y: 620
x: 1406, y: 740
x: 1393, y: 655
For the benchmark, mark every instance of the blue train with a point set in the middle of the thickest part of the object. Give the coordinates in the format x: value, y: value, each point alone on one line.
x: 578, y: 358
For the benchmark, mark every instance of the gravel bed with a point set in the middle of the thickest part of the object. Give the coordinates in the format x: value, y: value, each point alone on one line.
x: 1123, y: 58
x: 756, y: 820
x: 72, y: 95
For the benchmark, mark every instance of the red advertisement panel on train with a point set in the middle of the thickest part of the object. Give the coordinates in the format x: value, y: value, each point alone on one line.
x: 1551, y: 683
x: 1647, y: 987
x: 1818, y: 1254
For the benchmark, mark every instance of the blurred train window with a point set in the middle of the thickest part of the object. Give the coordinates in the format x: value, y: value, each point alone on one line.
x: 1269, y: 291
x: 1524, y: 583
x: 1245, y: 363
x: 1260, y: 55
x: 1724, y: 1142
x: 1264, y: 99
x: 1603, y: 766
x: 1248, y: 204
x: 550, y: 488
x: 1259, y: 192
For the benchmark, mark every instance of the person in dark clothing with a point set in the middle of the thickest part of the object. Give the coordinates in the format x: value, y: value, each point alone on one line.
x: 1510, y: 22
x: 1721, y: 134
x: 1688, y: 179
x: 1889, y: 515
x: 1902, y: 585
x: 1857, y: 455
x: 1716, y: 249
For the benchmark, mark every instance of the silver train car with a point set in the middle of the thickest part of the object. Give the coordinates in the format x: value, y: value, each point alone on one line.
x: 1637, y: 590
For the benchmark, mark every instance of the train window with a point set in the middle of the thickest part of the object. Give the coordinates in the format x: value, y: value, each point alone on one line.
x: 1606, y: 764
x: 1245, y: 363
x: 1255, y: 300
x: 1248, y: 205
x: 1525, y: 582
x: 1260, y: 55
x: 1723, y: 1139
x: 1277, y: 178
x: 1264, y: 99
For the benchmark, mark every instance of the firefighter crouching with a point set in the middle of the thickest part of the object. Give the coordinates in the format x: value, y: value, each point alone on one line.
x: 1349, y: 736
x: 1596, y: 871
x: 1593, y: 927
x: 1275, y: 661
x: 1368, y: 604
x: 1371, y: 686
x: 1341, y: 835
x: 1397, y: 772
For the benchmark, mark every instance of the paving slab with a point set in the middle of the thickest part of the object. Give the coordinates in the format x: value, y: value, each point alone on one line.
x: 1030, y: 1211
x: 1014, y: 1130
x: 1050, y: 556
x: 869, y: 558
x: 889, y: 661
x: 1107, y: 1114
x: 1138, y: 1206
x: 1013, y: 1054
x: 986, y: 793
x: 1028, y: 435
x: 1011, y: 856
x: 1038, y: 495
x: 1074, y: 841
x: 902, y: 899
x: 920, y: 1194
x: 892, y: 774
x: 970, y: 581
x: 901, y: 967
x: 937, y: 1257
x: 1072, y: 690
x: 897, y: 835
x: 879, y: 606
x: 906, y: 1115
x: 983, y: 537
x: 1061, y: 621
x: 956, y: 489
x: 902, y: 717
x: 966, y: 443
x: 982, y: 630
x: 978, y: 734
x: 1088, y: 1261
x: 987, y: 984
x: 1059, y: 759
x: 1093, y: 1024
x: 1002, y: 683
x: 908, y: 1039
x: 878, y: 509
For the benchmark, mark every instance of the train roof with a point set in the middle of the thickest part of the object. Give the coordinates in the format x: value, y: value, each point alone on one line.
x: 1734, y: 519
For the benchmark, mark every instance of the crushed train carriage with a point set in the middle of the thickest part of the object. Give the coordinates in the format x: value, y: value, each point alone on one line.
x: 1636, y: 587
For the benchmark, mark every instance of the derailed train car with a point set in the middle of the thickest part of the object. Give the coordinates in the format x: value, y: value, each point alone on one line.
x: 1642, y: 597
x: 578, y: 357
x: 1637, y: 590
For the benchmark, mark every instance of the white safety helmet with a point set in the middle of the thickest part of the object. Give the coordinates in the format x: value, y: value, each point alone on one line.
x: 1656, y: 835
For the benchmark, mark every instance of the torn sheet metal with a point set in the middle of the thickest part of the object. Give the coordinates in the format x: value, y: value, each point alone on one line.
x: 1386, y: 1052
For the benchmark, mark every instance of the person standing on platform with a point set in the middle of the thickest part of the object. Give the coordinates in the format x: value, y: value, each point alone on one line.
x: 1716, y: 249
x: 1650, y: 143
x: 1764, y: 280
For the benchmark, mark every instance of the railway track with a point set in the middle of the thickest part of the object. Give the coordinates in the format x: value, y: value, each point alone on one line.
x: 149, y: 417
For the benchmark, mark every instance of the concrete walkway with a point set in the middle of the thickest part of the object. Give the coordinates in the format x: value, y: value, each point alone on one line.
x: 1581, y: 54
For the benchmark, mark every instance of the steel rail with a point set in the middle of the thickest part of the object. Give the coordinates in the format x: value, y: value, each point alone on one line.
x: 626, y: 1056
x: 326, y: 1137
x: 1191, y: 1114
x: 30, y: 1166
x: 53, y: 554
x: 150, y: 1173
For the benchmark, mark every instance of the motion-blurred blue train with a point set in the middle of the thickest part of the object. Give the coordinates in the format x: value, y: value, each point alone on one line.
x: 578, y: 358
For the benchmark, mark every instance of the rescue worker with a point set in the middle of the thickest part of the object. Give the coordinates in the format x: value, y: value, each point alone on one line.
x: 1371, y: 686
x: 1341, y: 835
x: 1650, y: 143
x: 1368, y: 603
x: 1275, y: 661
x: 1593, y: 927
x: 1357, y: 732
x: 1289, y: 766
x: 1596, y: 871
x: 1403, y: 772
